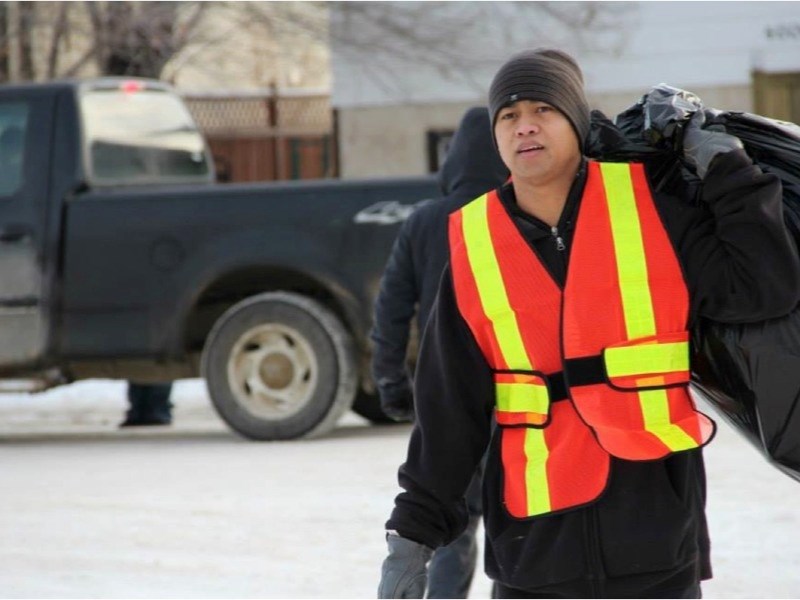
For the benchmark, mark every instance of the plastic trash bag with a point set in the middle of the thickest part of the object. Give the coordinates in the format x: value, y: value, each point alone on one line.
x: 749, y: 373
x: 775, y: 147
x: 624, y: 141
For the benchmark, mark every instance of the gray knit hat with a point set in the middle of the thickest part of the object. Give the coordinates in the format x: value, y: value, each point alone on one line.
x: 547, y: 75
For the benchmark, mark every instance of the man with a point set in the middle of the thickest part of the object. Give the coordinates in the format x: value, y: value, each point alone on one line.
x: 559, y: 341
x: 411, y: 278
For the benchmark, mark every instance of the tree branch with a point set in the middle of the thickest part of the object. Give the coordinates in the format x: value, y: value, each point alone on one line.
x: 58, y: 33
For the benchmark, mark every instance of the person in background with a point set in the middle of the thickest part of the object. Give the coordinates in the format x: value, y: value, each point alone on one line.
x: 408, y: 287
x: 559, y: 342
x: 149, y: 404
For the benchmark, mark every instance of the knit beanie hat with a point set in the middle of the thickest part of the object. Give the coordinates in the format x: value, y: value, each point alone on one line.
x: 547, y: 75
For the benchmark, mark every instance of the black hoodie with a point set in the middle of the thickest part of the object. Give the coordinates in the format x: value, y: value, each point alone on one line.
x: 420, y: 252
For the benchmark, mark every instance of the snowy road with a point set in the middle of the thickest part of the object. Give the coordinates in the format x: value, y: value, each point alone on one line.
x: 193, y: 511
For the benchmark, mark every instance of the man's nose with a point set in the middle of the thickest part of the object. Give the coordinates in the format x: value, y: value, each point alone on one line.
x: 527, y: 127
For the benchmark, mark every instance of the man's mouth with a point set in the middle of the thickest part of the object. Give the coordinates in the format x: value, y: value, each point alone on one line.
x: 529, y: 148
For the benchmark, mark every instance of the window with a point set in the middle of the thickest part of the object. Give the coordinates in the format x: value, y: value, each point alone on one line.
x: 13, y: 132
x: 438, y: 144
x: 136, y: 135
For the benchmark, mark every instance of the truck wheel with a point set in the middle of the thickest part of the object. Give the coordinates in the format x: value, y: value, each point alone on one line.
x: 279, y: 366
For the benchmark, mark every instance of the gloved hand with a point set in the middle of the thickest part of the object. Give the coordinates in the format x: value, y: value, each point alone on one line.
x: 397, y: 400
x: 701, y: 146
x: 405, y: 572
x: 670, y: 111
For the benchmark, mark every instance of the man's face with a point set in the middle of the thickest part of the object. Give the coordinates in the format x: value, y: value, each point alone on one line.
x: 536, y: 142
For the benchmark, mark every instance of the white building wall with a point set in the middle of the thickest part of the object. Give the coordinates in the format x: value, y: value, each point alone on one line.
x: 711, y: 48
x: 390, y: 140
x: 701, y: 44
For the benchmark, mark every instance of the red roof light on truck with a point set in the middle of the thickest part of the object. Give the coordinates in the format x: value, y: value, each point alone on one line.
x: 131, y: 87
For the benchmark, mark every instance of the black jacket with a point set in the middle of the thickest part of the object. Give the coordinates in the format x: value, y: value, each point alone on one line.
x: 419, y: 254
x: 740, y: 265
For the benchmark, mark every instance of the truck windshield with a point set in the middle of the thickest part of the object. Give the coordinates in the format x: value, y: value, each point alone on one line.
x: 137, y: 135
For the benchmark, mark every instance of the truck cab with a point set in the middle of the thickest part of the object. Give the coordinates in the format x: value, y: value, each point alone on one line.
x: 131, y: 133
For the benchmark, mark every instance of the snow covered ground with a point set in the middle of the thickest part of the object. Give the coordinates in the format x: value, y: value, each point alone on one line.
x: 193, y: 511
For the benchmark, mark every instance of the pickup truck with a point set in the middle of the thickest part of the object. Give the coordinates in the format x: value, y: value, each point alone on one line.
x: 121, y: 258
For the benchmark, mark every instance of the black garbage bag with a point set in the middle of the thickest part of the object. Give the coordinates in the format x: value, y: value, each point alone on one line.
x: 624, y: 140
x: 749, y: 373
x: 775, y: 147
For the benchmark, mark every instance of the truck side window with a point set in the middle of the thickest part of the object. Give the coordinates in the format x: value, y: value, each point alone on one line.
x: 13, y: 130
x: 141, y: 136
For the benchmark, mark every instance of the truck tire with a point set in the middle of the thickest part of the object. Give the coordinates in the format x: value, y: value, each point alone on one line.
x: 280, y: 366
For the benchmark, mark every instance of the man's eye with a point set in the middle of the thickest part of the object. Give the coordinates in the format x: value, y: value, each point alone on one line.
x: 507, y: 116
x: 544, y: 109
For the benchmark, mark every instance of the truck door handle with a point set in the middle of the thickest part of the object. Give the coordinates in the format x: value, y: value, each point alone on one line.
x: 14, y: 233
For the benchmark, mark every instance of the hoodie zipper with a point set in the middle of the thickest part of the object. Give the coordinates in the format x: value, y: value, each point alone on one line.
x: 560, y: 246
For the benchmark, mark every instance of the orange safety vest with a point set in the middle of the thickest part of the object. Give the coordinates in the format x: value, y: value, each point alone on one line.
x: 599, y: 369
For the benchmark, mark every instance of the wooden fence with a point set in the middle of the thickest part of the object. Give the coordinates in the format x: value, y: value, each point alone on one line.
x: 777, y: 95
x: 266, y: 136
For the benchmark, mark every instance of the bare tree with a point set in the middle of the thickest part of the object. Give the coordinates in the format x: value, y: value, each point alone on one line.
x: 5, y: 44
x: 140, y: 38
x: 115, y: 38
x: 60, y: 28
x: 292, y: 39
x: 459, y: 40
x: 24, y: 41
x: 144, y: 38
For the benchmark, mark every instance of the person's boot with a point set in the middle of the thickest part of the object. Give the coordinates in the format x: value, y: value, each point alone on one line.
x: 149, y: 405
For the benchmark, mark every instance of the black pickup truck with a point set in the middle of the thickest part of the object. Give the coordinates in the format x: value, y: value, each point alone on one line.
x: 121, y: 258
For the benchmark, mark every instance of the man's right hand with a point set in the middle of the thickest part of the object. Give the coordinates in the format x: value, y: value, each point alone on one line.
x: 397, y: 401
x: 701, y: 146
x: 405, y: 571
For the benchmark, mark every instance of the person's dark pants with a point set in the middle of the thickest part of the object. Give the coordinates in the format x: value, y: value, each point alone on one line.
x: 452, y: 567
x: 149, y: 404
x: 680, y: 583
x: 501, y: 591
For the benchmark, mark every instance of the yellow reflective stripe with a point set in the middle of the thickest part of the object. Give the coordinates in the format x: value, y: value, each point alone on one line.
x: 655, y: 410
x: 637, y: 303
x: 522, y: 397
x: 536, y: 486
x: 669, y: 357
x: 626, y: 230
x: 494, y: 300
x: 492, y: 291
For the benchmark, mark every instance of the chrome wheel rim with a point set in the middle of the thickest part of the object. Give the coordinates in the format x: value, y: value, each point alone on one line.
x: 272, y: 371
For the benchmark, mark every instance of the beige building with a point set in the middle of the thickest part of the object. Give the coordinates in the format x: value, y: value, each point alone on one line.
x: 394, y: 115
x: 233, y: 52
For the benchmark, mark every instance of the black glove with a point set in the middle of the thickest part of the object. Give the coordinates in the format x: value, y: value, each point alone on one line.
x: 405, y: 571
x: 670, y: 112
x: 701, y: 146
x: 397, y: 400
